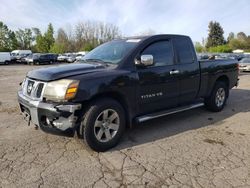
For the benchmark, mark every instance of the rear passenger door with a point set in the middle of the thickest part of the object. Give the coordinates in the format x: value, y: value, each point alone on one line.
x: 158, y: 88
x: 189, y: 70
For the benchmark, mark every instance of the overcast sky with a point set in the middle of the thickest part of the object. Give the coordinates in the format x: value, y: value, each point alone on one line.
x: 189, y: 17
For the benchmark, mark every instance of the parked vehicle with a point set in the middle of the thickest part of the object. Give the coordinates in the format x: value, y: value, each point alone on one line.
x: 17, y: 55
x: 80, y: 55
x: 245, y: 64
x: 37, y: 59
x: 71, y: 58
x: 52, y: 57
x: 62, y: 57
x: 67, y: 58
x: 122, y: 82
x: 5, y: 58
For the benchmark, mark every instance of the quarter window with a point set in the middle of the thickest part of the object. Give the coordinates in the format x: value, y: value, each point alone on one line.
x: 184, y: 50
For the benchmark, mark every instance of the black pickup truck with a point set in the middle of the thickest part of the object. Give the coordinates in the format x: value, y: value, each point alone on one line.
x: 123, y: 82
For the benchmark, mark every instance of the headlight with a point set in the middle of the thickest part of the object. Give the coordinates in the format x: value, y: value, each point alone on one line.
x: 61, y: 90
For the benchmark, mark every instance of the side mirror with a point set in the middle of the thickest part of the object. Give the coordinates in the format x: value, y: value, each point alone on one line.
x: 146, y: 60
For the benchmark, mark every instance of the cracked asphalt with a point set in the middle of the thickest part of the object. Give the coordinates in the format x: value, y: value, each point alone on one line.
x: 196, y: 148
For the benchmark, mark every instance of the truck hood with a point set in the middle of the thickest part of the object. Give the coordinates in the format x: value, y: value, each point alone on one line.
x: 62, y: 71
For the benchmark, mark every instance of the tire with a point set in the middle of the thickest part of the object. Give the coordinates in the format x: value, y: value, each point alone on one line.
x: 218, y: 98
x: 104, y: 116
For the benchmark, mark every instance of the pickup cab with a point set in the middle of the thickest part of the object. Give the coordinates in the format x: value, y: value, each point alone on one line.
x: 123, y: 82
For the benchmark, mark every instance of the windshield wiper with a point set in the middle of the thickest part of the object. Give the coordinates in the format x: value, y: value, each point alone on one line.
x: 99, y: 61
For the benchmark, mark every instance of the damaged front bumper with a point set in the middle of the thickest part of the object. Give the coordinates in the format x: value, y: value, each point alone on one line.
x: 49, y: 116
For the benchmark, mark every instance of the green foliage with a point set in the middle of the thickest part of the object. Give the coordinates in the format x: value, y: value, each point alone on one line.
x: 215, y: 35
x: 57, y: 48
x: 85, y: 36
x: 8, y: 39
x: 24, y: 38
x: 241, y: 42
x: 199, y: 48
x: 13, y: 43
x: 220, y: 49
x: 230, y: 37
x: 45, y: 42
x: 88, y: 47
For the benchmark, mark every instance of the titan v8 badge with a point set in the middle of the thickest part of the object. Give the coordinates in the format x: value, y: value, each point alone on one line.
x: 151, y: 95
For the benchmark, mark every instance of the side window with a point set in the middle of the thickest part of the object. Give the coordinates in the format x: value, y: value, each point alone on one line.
x: 184, y: 50
x: 162, y: 52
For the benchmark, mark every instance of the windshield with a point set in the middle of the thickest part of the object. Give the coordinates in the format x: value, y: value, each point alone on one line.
x: 110, y: 52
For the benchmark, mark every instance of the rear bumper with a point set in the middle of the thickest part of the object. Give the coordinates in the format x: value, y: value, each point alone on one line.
x: 49, y: 117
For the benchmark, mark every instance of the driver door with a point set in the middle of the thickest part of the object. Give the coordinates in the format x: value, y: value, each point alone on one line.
x: 159, y: 85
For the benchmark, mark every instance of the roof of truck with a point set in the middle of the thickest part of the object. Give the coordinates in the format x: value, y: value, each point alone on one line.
x: 158, y: 35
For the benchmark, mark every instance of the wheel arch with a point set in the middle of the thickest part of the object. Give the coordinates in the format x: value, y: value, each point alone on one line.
x: 118, y: 97
x: 224, y: 79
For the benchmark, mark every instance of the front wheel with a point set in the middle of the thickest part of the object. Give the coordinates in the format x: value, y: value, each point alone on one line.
x: 217, y: 100
x: 103, y: 124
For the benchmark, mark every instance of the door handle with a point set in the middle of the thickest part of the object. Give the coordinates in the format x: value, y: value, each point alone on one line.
x: 174, y: 72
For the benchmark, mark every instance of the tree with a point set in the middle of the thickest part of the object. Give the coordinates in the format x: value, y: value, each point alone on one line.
x: 61, y: 43
x: 57, y: 48
x: 8, y: 41
x: 230, y: 37
x: 24, y: 38
x: 221, y: 49
x: 49, y: 36
x: 13, y: 43
x: 242, y: 36
x: 91, y: 34
x: 215, y: 35
x: 45, y: 42
x: 241, y: 42
x: 198, y: 47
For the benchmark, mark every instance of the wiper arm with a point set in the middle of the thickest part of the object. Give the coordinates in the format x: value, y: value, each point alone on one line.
x: 94, y: 60
x: 99, y: 61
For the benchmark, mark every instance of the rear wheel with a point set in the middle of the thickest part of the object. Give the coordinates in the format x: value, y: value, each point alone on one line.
x: 217, y: 100
x: 103, y: 124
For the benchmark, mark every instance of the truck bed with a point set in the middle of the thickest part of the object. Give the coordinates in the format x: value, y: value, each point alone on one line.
x: 211, y: 69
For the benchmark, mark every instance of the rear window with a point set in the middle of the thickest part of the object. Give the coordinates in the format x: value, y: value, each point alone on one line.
x: 184, y: 50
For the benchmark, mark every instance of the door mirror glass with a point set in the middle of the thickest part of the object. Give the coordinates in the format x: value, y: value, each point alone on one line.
x: 147, y: 60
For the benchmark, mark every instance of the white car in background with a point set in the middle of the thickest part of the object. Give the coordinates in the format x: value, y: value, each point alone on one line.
x: 68, y: 57
x: 245, y: 64
x: 17, y: 55
x: 62, y: 57
x: 80, y: 55
x: 5, y: 58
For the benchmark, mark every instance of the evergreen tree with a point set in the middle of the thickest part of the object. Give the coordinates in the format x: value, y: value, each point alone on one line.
x: 8, y: 40
x: 50, y: 40
x: 13, y: 43
x: 215, y: 35
x: 45, y: 42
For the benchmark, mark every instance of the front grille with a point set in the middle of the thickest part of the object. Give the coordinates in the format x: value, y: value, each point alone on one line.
x: 33, y: 89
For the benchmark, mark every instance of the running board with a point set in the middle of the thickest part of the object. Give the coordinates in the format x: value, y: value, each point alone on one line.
x: 168, y: 112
